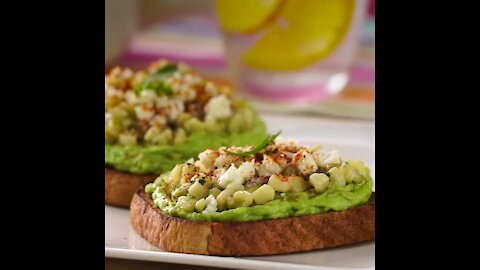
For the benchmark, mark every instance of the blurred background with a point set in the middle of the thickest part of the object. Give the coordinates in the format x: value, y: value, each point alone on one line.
x: 314, y: 59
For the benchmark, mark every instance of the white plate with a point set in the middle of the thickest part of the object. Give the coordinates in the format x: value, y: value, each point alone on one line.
x: 354, y: 140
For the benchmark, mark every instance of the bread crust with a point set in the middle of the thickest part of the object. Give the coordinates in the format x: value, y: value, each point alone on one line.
x: 120, y: 186
x: 254, y: 238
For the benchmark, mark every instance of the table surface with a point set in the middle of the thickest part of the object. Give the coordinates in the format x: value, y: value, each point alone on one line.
x: 121, y: 264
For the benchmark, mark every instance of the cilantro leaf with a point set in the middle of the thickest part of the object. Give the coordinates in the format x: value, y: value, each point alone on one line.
x: 258, y: 148
x: 156, y: 81
x: 163, y: 73
x: 159, y: 87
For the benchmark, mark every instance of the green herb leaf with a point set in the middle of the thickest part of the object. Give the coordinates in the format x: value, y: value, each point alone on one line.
x: 170, y: 68
x: 163, y: 73
x: 202, y: 181
x: 159, y: 87
x: 260, y: 147
x: 156, y: 81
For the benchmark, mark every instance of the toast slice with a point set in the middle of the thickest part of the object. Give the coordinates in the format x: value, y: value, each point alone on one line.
x: 253, y: 238
x: 120, y: 186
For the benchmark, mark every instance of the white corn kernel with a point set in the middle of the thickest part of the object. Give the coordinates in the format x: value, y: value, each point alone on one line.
x: 319, y: 182
x: 263, y: 194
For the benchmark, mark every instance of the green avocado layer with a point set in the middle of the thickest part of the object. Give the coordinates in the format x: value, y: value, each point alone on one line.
x: 156, y: 159
x: 335, y: 198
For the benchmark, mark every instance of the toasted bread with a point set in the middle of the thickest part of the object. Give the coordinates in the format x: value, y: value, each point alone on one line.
x: 120, y: 186
x: 253, y: 238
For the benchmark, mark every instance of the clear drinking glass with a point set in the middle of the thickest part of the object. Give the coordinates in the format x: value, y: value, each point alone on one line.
x: 291, y: 50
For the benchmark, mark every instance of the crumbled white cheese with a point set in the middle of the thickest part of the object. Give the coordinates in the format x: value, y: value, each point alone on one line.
x: 326, y: 159
x: 158, y: 121
x: 148, y: 97
x: 186, y: 92
x: 232, y: 175
x: 131, y: 98
x: 223, y: 160
x: 305, y: 162
x: 269, y: 166
x: 247, y: 169
x: 174, y: 109
x: 112, y: 91
x: 207, y: 158
x: 211, y: 205
x: 144, y: 114
x: 219, y: 107
x: 161, y: 102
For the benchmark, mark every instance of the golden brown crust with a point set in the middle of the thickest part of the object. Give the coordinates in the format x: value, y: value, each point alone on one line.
x: 254, y: 238
x: 167, y: 232
x: 120, y: 186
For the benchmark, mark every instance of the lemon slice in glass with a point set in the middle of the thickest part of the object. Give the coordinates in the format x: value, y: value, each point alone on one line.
x: 305, y: 32
x: 244, y: 16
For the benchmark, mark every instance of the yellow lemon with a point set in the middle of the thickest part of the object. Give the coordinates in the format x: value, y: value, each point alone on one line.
x: 243, y: 16
x: 305, y: 32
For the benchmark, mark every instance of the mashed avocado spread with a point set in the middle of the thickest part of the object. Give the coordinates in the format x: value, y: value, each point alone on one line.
x: 156, y: 159
x: 281, y: 181
x: 166, y: 114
